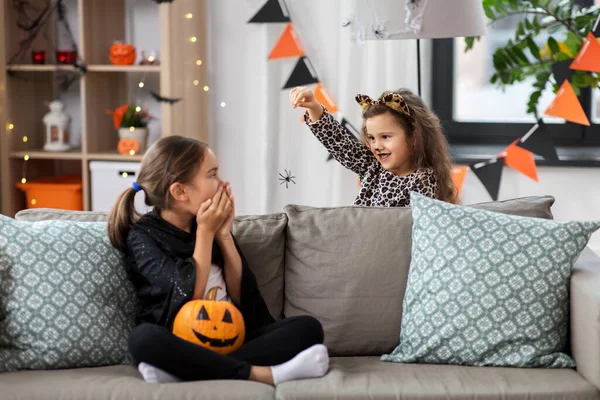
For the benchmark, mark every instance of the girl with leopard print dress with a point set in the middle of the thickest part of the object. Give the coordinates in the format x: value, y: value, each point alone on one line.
x: 402, y: 147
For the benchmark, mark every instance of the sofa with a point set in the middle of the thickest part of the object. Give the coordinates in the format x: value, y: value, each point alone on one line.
x: 348, y: 267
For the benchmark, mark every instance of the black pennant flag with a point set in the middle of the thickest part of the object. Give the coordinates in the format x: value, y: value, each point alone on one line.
x: 596, y: 28
x: 539, y: 141
x: 490, y: 174
x: 303, y: 74
x: 272, y: 11
x: 561, y: 71
x: 351, y: 129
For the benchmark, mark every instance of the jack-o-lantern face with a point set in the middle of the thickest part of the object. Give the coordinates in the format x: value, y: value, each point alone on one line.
x: 122, y: 54
x: 129, y: 147
x: 216, y: 325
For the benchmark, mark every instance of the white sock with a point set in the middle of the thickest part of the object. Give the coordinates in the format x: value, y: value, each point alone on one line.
x: 310, y: 363
x: 156, y: 375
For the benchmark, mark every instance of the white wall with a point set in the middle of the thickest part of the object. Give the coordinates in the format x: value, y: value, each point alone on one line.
x: 576, y: 191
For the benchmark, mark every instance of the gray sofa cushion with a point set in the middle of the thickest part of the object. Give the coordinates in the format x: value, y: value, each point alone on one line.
x: 119, y: 383
x: 369, y: 378
x: 348, y: 266
x: 261, y: 238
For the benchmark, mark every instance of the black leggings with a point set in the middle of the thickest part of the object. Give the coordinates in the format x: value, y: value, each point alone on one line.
x: 271, y: 345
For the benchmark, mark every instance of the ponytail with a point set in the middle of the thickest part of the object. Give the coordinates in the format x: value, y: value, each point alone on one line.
x: 121, y: 218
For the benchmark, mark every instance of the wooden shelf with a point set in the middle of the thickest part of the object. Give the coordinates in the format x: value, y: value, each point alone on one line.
x: 40, y: 68
x: 123, y: 68
x: 90, y: 68
x: 113, y: 156
x: 74, y: 154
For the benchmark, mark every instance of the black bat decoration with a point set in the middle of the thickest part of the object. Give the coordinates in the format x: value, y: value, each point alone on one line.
x: 161, y: 99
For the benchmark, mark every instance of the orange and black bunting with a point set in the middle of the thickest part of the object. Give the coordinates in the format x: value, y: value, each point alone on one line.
x: 566, y: 105
x: 520, y: 160
x: 539, y: 141
x: 588, y: 58
x: 303, y: 74
x: 288, y: 45
x: 459, y: 173
x: 490, y: 174
x: 272, y: 11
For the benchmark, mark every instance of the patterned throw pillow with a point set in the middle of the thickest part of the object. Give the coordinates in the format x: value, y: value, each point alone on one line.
x: 488, y: 289
x: 65, y: 300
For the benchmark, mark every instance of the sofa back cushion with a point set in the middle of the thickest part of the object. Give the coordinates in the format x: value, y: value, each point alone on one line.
x: 348, y: 267
x: 261, y: 238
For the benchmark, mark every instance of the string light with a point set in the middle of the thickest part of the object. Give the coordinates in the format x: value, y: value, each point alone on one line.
x: 189, y: 15
x: 132, y: 152
x: 205, y: 88
x: 10, y: 127
x: 25, y: 139
x: 198, y: 62
x: 23, y: 180
x: 124, y: 174
x: 151, y: 59
x: 26, y: 157
x: 196, y: 82
x: 223, y: 104
x: 138, y: 109
x: 33, y: 201
x: 141, y: 84
x: 193, y: 39
x: 131, y: 129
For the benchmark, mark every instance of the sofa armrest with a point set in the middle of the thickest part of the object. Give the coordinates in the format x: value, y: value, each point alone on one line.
x: 585, y: 316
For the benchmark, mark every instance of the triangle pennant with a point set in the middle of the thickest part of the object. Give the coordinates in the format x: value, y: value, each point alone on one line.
x: 459, y: 174
x: 288, y: 45
x: 303, y: 74
x: 490, y: 174
x: 561, y: 70
x: 323, y: 97
x: 520, y: 160
x: 272, y: 11
x: 539, y: 141
x: 588, y: 58
x: 596, y: 28
x: 566, y: 105
x: 351, y: 129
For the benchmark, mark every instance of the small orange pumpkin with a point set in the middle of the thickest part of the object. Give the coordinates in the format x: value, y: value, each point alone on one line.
x: 122, y: 54
x: 128, y: 147
x: 215, y: 325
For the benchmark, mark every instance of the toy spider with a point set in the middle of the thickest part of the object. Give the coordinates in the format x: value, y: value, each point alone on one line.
x: 287, y: 178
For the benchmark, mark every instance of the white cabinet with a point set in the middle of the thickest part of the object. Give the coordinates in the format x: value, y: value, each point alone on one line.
x: 109, y: 179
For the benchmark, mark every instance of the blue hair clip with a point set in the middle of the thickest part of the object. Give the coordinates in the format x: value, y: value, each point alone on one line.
x: 136, y: 187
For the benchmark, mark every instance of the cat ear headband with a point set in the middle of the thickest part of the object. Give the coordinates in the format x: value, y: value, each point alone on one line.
x: 390, y: 100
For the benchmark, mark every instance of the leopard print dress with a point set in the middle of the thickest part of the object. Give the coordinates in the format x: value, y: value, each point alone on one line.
x: 379, y: 187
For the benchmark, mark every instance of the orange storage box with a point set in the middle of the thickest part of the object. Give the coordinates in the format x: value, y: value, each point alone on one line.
x: 62, y: 192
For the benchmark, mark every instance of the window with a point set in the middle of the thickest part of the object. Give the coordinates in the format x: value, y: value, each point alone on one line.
x: 475, y: 111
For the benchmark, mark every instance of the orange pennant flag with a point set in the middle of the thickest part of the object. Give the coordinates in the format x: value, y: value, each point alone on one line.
x: 288, y: 45
x: 588, y: 58
x: 459, y: 174
x: 322, y: 96
x: 520, y: 160
x: 566, y: 105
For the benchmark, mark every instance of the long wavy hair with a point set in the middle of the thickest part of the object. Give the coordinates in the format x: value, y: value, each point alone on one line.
x: 426, y: 138
x: 169, y: 160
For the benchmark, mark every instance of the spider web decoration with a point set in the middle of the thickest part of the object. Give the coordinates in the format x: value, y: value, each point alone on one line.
x: 287, y: 178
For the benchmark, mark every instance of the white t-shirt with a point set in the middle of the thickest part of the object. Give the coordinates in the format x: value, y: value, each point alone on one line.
x: 216, y: 280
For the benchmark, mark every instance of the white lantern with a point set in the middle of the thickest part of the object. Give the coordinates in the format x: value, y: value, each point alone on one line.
x: 57, y: 127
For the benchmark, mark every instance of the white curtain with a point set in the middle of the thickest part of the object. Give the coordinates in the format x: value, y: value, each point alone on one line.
x: 257, y: 134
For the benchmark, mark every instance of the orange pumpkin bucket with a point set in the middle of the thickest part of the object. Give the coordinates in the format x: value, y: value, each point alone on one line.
x: 215, y: 325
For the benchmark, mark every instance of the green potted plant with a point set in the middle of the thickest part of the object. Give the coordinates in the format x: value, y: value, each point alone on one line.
x: 562, y: 26
x: 133, y: 124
